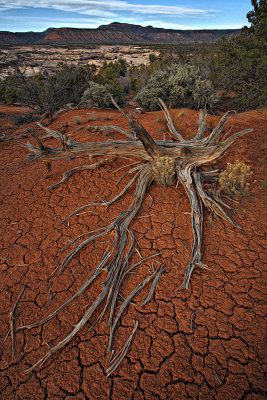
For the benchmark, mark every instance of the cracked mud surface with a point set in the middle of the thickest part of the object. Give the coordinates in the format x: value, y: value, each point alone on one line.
x: 205, y: 343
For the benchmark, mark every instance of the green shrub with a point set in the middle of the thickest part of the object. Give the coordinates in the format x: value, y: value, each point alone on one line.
x: 11, y: 95
x: 8, y: 91
x: 117, y: 91
x: 239, y: 64
x: 111, y: 71
x: 148, y: 97
x: 189, y: 88
x: 156, y: 87
x: 100, y: 94
x: 182, y: 85
x: 47, y: 94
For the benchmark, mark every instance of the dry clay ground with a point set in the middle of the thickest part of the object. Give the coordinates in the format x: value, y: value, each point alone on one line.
x: 204, y: 343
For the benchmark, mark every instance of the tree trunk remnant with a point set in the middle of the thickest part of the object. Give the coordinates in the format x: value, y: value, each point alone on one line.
x: 189, y: 162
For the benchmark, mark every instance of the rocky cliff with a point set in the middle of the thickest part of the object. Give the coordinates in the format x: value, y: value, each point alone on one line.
x: 115, y: 33
x: 7, y: 37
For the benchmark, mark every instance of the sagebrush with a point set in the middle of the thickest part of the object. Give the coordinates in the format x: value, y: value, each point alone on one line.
x: 180, y: 85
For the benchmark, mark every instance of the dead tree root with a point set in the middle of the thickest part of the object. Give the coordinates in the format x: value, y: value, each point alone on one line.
x: 169, y: 162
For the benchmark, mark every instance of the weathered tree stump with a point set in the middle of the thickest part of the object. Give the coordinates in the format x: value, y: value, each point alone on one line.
x: 190, y: 162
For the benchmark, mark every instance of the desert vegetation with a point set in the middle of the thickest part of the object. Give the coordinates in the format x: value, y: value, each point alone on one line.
x: 235, y: 179
x: 185, y: 75
x: 239, y: 64
x: 181, y: 86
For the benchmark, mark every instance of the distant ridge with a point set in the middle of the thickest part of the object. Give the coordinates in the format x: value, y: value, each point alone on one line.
x: 115, y: 33
x: 7, y: 37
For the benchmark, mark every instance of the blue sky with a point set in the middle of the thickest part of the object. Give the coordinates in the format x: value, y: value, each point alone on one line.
x: 32, y: 15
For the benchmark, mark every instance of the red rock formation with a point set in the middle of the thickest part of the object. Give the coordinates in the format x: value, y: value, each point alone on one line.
x: 115, y: 33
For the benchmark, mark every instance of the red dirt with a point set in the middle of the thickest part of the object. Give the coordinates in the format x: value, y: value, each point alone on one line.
x: 205, y: 343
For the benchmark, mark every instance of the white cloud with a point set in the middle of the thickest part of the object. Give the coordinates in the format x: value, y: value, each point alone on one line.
x: 66, y: 21
x: 102, y: 12
x: 93, y: 7
x: 167, y: 25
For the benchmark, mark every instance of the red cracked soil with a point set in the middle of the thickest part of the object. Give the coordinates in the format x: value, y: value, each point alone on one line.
x: 205, y: 343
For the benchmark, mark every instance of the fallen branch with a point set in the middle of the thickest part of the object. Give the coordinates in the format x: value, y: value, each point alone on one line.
x: 11, y: 314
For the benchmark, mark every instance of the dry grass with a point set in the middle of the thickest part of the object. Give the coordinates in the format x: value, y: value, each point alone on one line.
x: 92, y: 116
x: 234, y: 180
x: 176, y: 117
x: 78, y: 119
x: 164, y: 170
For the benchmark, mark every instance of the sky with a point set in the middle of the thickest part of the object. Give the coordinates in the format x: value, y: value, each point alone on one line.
x: 32, y: 15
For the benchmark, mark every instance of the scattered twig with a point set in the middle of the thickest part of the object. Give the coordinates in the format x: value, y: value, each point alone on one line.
x: 116, y: 361
x: 5, y: 339
x: 11, y: 314
x: 154, y: 285
x: 75, y: 170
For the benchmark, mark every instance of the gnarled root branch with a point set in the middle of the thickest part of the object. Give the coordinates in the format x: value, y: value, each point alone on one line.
x: 181, y: 160
x: 196, y: 220
x: 116, y: 262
